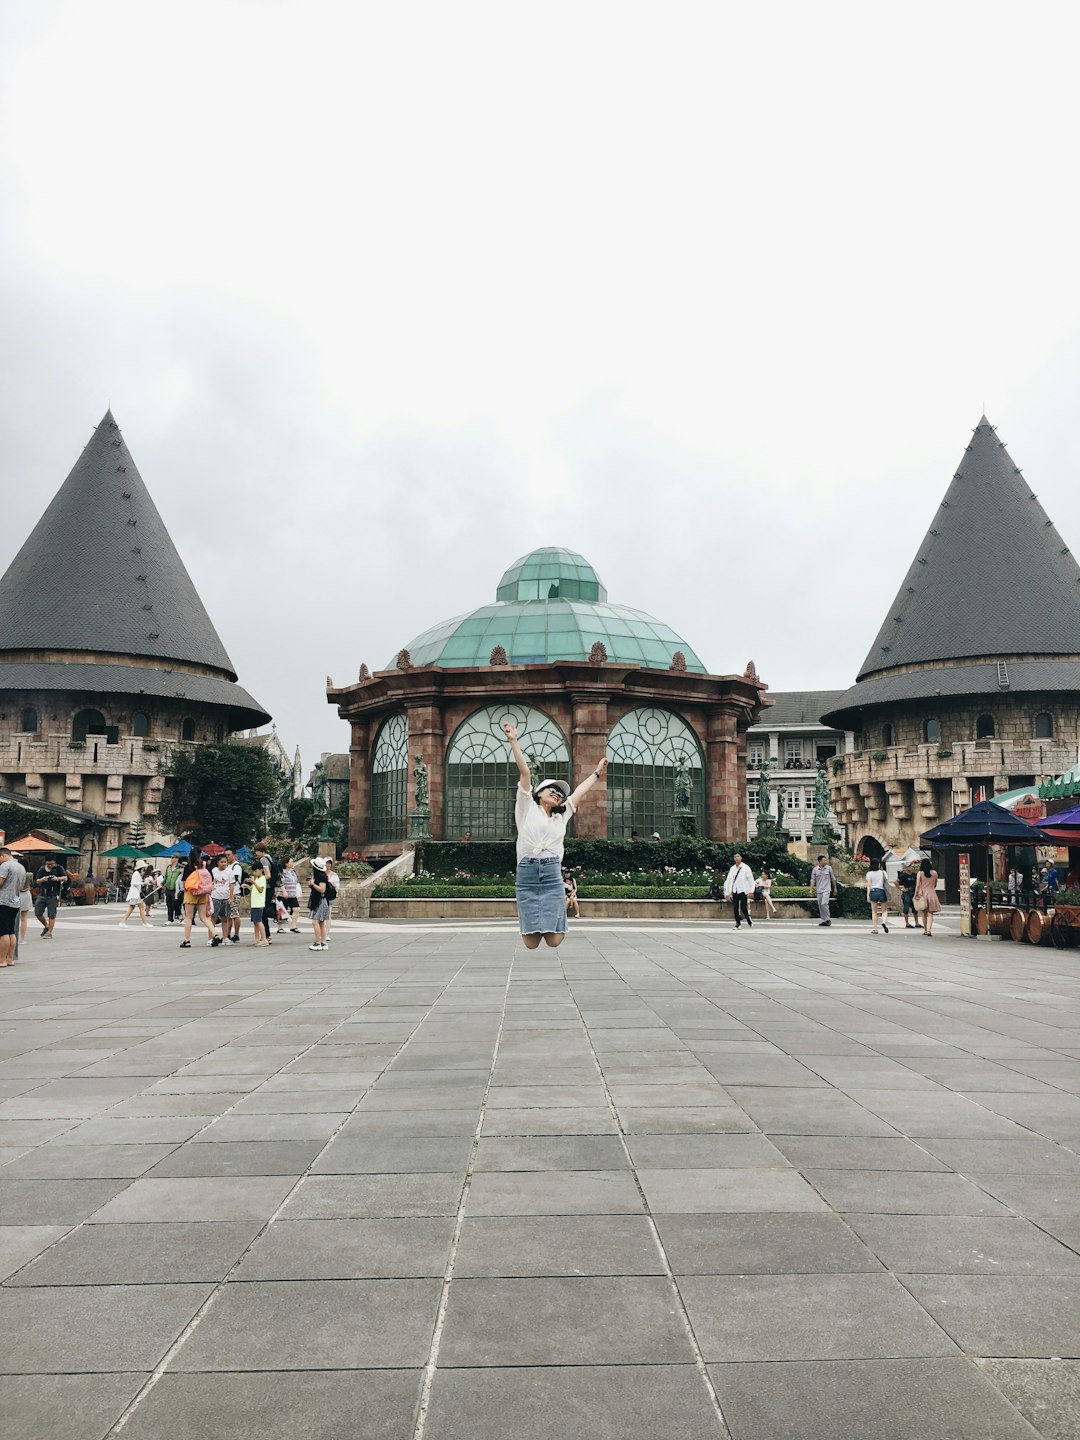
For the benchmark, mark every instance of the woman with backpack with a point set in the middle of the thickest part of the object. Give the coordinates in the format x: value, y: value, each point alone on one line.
x: 318, y: 902
x: 197, y: 884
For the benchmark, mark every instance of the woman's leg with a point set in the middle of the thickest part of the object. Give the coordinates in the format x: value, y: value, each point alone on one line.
x: 554, y: 939
x: 189, y: 915
x: 204, y: 916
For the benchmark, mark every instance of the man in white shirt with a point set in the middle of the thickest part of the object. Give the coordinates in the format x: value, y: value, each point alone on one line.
x: 737, y: 887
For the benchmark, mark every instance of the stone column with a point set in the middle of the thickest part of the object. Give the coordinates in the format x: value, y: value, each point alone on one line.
x: 588, y: 745
x: 425, y: 723
x: 360, y: 785
x: 725, y: 777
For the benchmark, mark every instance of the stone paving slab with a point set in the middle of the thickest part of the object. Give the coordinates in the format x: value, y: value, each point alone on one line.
x: 668, y: 1181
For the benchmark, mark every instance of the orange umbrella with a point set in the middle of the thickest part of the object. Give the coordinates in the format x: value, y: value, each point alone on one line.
x: 34, y: 842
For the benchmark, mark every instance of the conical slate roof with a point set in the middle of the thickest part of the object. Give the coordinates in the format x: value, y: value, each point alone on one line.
x: 992, y: 580
x: 100, y: 573
x: 990, y: 535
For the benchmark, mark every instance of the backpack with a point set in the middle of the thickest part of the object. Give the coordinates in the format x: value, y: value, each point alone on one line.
x: 331, y: 889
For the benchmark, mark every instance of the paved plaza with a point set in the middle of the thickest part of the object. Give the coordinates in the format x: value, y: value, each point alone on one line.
x: 669, y: 1179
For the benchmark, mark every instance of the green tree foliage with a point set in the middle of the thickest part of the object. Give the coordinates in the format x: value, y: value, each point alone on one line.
x: 225, y: 789
x: 16, y: 820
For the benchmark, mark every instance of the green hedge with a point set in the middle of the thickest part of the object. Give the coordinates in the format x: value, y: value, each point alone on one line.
x: 851, y: 901
x: 685, y: 852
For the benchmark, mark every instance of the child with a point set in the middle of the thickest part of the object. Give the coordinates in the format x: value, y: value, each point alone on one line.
x: 570, y: 886
x: 258, y: 904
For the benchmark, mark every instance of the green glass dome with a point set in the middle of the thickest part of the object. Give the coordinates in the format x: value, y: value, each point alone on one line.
x: 551, y: 605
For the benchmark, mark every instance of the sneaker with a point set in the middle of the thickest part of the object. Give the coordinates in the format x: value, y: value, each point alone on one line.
x: 749, y: 922
x: 316, y: 946
x: 884, y: 927
x: 147, y: 924
x: 823, y: 922
x: 185, y: 944
x: 234, y: 939
x: 122, y: 925
x: 217, y: 940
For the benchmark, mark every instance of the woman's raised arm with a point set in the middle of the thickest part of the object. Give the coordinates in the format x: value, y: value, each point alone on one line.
x: 525, y: 781
x: 587, y: 784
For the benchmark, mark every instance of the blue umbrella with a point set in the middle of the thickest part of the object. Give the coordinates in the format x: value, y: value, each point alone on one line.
x: 245, y: 854
x: 181, y: 848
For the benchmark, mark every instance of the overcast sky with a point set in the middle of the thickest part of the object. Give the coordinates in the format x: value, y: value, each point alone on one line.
x: 713, y: 293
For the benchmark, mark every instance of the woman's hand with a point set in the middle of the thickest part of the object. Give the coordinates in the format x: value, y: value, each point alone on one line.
x: 601, y: 769
x: 510, y: 731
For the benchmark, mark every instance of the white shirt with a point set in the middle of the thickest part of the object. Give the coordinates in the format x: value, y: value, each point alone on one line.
x: 134, y: 894
x: 539, y: 835
x: 740, y: 880
x: 876, y: 880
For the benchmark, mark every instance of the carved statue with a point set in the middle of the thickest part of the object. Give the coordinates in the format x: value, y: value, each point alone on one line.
x: 683, y: 785
x: 764, y: 803
x: 320, y: 787
x: 750, y: 673
x: 821, y: 794
x: 780, y: 809
x: 420, y: 775
x: 365, y: 674
x: 678, y: 661
x: 404, y: 660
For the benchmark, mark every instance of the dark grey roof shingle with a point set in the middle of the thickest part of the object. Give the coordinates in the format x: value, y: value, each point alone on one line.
x: 988, y: 530
x: 1026, y: 677
x: 158, y: 684
x: 796, y: 707
x: 99, y: 571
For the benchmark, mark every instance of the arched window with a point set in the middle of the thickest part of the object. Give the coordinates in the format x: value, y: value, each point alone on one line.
x: 932, y: 731
x: 187, y: 728
x: 481, y: 777
x: 140, y: 724
x: 87, y: 722
x: 984, y: 727
x: 29, y: 720
x: 1043, y: 726
x: 390, y: 780
x: 646, y: 750
x: 886, y: 736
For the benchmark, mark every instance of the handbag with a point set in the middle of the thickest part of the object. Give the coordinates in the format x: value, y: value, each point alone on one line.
x: 921, y: 903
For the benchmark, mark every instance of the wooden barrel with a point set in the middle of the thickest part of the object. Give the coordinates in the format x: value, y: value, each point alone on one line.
x: 1018, y: 925
x: 980, y: 921
x: 1001, y: 923
x: 1038, y: 927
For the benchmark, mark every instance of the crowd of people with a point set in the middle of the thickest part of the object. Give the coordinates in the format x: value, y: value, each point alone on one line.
x: 209, y: 894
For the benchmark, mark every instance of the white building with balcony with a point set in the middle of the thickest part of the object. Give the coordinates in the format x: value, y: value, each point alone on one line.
x: 793, y: 737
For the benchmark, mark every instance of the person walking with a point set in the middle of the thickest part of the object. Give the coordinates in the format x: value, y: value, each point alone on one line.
x: 197, y: 883
x: 136, y: 900
x: 12, y: 876
x: 49, y: 881
x: 927, y: 903
x: 173, y: 903
x: 230, y: 925
x: 542, y: 813
x: 823, y: 884
x: 877, y: 892
x: 290, y: 890
x: 26, y: 904
x: 270, y: 867
x: 318, y: 905
x: 738, y: 886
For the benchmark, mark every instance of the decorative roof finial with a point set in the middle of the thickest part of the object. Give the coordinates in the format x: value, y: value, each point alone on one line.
x: 365, y: 674
x: 598, y: 653
x: 678, y: 661
x: 498, y: 656
x: 404, y: 660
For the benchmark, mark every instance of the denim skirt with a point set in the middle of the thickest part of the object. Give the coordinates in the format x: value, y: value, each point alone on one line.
x: 541, y: 898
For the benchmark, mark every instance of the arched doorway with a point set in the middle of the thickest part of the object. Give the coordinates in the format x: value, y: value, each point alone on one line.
x: 871, y: 848
x: 645, y: 751
x: 481, y: 777
x: 87, y: 722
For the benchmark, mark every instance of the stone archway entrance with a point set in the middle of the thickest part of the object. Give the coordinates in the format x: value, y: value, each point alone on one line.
x: 870, y: 847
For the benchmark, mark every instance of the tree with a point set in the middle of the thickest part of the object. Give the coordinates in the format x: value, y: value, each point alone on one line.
x: 223, y: 789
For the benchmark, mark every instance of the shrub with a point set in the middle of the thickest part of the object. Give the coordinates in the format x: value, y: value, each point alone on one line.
x: 684, y: 852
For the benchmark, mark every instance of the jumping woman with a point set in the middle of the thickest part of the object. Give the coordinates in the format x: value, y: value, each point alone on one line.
x: 542, y: 815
